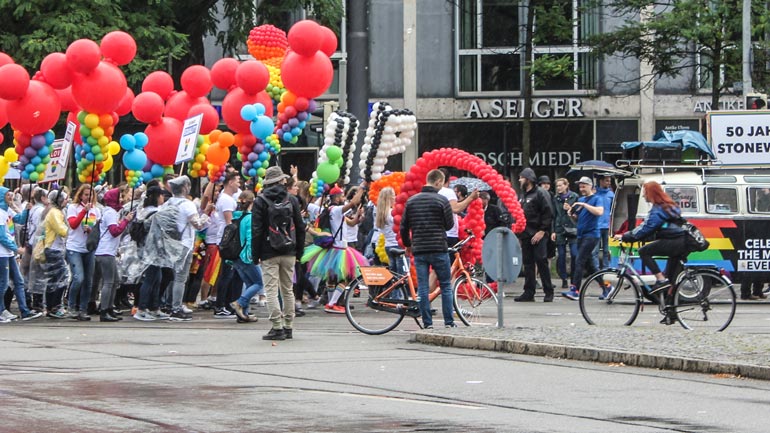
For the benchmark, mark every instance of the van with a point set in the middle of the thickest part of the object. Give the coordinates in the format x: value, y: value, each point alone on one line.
x: 731, y: 207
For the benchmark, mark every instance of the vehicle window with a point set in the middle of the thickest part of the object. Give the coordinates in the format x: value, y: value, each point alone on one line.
x: 721, y: 200
x: 759, y: 199
x: 685, y: 198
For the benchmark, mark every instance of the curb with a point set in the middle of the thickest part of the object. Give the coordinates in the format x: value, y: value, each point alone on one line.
x: 577, y: 353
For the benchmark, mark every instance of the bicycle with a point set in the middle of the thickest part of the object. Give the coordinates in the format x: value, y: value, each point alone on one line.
x: 380, y: 306
x: 703, y: 298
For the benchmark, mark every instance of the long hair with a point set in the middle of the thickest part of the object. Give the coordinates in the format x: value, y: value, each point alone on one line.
x: 79, y: 193
x: 384, y: 206
x: 655, y: 195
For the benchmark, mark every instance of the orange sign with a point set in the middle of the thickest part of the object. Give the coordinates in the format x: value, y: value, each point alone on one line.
x: 375, y: 275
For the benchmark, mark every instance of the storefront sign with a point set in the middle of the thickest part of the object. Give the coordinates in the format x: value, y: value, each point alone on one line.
x: 537, y: 159
x: 704, y: 106
x: 741, y: 137
x: 546, y: 108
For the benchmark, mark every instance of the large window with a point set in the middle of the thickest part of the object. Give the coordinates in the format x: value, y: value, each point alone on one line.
x: 490, y: 47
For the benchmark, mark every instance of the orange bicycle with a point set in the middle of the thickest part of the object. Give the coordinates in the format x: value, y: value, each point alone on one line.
x: 377, y: 301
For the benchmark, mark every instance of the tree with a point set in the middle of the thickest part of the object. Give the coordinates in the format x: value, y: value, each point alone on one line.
x: 679, y: 36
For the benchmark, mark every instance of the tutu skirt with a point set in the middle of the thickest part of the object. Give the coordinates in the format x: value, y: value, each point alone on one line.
x: 333, y: 263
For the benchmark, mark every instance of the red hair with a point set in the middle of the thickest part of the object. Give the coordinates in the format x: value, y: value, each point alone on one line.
x: 655, y: 195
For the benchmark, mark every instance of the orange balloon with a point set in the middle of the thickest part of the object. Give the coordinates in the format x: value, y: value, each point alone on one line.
x: 226, y: 139
x: 214, y: 135
x: 105, y: 120
x: 218, y: 155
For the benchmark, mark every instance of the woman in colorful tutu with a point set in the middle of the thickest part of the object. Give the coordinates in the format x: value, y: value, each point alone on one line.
x: 331, y: 259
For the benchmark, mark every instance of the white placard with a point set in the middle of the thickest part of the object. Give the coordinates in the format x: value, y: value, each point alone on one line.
x: 740, y: 137
x: 60, y: 154
x: 189, y: 141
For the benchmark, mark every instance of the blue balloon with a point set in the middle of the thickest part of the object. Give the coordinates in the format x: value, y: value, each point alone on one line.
x: 301, y: 125
x: 295, y: 132
x: 287, y: 136
x: 262, y: 127
x: 146, y: 177
x: 252, y: 172
x: 128, y: 142
x: 249, y: 112
x: 263, y: 156
x: 36, y: 161
x: 29, y: 168
x: 260, y: 109
x: 157, y: 170
x: 141, y: 140
x: 43, y: 152
x: 49, y: 137
x: 135, y: 159
x: 90, y: 156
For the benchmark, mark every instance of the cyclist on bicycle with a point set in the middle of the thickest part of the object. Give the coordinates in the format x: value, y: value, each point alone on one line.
x: 661, y: 224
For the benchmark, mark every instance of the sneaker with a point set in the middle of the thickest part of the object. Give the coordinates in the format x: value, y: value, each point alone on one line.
x: 428, y: 327
x: 204, y: 305
x: 313, y: 304
x: 238, y: 310
x: 8, y: 315
x: 83, y: 317
x: 185, y: 309
x: 288, y: 333
x: 32, y: 315
x: 223, y: 313
x: 73, y: 314
x: 180, y: 316
x: 159, y: 315
x: 548, y: 298
x: 572, y: 294
x: 262, y: 301
x: 299, y: 312
x: 254, y: 301
x: 606, y: 292
x: 334, y: 309
x: 250, y: 319
x: 144, y: 316
x: 57, y: 314
x: 524, y: 298
x: 451, y: 325
x: 275, y: 334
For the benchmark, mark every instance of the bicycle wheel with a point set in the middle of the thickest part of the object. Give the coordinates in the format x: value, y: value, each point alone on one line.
x: 475, y: 303
x: 705, y: 300
x: 365, y: 314
x: 613, y: 305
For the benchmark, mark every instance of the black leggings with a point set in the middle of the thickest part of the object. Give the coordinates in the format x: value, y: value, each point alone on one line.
x: 675, y: 249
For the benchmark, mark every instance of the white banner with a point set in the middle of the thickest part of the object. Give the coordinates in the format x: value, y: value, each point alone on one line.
x: 189, y: 140
x: 60, y: 153
x: 740, y: 137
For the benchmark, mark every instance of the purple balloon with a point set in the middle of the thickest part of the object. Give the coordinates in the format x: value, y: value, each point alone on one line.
x: 37, y: 142
x: 147, y: 166
x: 293, y: 122
x: 286, y: 127
x: 301, y: 116
x: 246, y: 165
x: 30, y: 153
x: 259, y: 148
x: 253, y: 157
x: 311, y: 105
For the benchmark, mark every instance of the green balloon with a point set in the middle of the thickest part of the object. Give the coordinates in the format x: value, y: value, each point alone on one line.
x: 333, y: 153
x: 328, y: 172
x: 338, y: 162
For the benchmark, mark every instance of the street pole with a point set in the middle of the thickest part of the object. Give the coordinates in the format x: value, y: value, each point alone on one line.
x: 746, y: 39
x: 358, y: 72
x: 410, y: 73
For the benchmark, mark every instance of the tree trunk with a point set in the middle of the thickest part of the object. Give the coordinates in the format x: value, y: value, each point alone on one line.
x: 716, y: 85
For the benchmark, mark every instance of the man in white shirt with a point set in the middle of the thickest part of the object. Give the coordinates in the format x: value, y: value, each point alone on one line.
x: 452, y: 235
x: 226, y: 205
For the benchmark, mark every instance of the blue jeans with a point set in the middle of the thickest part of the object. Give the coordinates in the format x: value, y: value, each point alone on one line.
x: 149, y: 292
x: 82, y: 268
x: 584, y: 258
x: 561, y: 258
x: 440, y: 264
x: 251, y: 275
x: 603, y: 246
x: 8, y: 266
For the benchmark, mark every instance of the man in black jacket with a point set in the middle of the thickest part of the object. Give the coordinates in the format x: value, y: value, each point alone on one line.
x: 277, y: 261
x: 536, y: 203
x: 426, y: 219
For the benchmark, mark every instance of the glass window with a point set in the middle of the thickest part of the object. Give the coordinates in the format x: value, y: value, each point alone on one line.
x: 500, y: 23
x: 500, y: 72
x: 759, y: 199
x: 685, y: 198
x: 721, y: 200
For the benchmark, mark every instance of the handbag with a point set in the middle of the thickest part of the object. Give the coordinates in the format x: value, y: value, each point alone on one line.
x: 92, y: 241
x: 570, y: 231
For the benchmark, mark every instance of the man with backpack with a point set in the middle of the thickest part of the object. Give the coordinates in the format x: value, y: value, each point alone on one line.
x: 220, y: 219
x: 277, y: 240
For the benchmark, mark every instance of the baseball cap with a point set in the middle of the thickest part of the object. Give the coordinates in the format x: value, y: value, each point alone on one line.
x: 586, y: 180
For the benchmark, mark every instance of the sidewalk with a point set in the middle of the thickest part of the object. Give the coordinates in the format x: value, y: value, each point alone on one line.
x: 667, y: 348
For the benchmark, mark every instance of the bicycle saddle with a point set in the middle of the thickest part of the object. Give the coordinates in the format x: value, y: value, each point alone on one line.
x: 398, y: 251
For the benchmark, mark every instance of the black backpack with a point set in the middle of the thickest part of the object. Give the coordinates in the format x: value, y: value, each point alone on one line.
x: 138, y: 229
x: 281, y: 231
x: 230, y: 247
x: 694, y: 239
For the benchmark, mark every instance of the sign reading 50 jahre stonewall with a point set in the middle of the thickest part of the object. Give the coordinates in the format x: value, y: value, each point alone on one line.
x: 740, y: 137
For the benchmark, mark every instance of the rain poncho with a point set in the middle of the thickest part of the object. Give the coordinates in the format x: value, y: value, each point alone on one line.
x: 162, y: 247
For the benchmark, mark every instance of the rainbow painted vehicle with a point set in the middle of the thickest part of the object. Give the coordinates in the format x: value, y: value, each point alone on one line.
x: 730, y: 204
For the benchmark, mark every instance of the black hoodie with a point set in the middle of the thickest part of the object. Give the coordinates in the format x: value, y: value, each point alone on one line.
x: 260, y: 244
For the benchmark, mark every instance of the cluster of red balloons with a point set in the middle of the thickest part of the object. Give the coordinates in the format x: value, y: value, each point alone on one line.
x: 474, y: 221
x: 307, y: 70
x: 267, y: 42
x: 449, y: 157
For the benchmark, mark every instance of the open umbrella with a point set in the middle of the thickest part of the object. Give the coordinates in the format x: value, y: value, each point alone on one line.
x: 595, y: 167
x: 471, y: 183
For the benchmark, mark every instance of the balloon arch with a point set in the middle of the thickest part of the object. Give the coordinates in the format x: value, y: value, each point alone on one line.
x: 449, y: 157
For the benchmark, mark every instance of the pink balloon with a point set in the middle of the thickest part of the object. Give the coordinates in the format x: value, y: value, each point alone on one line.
x: 164, y: 140
x: 100, y: 91
x: 126, y: 103
x: 196, y: 81
x: 307, y: 76
x: 210, y: 117
x: 235, y: 100
x: 83, y: 56
x: 159, y: 82
x: 67, y: 101
x: 252, y: 76
x: 148, y: 107
x: 118, y: 47
x: 37, y: 112
x: 329, y: 42
x: 305, y: 37
x: 15, y: 81
x: 179, y: 104
x: 223, y: 73
x: 55, y: 71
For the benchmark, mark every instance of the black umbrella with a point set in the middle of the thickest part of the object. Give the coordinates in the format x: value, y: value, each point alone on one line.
x: 595, y: 167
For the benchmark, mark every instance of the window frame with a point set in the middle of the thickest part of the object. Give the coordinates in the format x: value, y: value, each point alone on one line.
x: 668, y: 189
x: 721, y: 212
x: 751, y: 192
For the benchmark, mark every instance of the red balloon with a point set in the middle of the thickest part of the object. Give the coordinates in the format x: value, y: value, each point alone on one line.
x: 118, y: 47
x: 83, y: 56
x: 307, y: 76
x: 73, y: 117
x: 15, y: 81
x: 164, y: 140
x: 305, y: 37
x: 3, y: 113
x: 252, y: 76
x: 55, y: 70
x: 126, y: 103
x: 210, y: 117
x: 67, y: 101
x: 179, y: 104
x: 100, y: 91
x: 329, y: 41
x: 5, y: 59
x: 235, y: 100
x: 159, y: 82
x: 148, y: 107
x: 223, y: 73
x: 196, y: 81
x: 37, y: 112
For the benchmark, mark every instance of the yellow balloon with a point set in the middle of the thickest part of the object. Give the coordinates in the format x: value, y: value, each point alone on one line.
x: 107, y: 164
x: 10, y: 155
x: 4, y: 166
x: 97, y: 133
x: 114, y: 148
x: 206, y: 139
x: 103, y: 141
x: 92, y: 121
